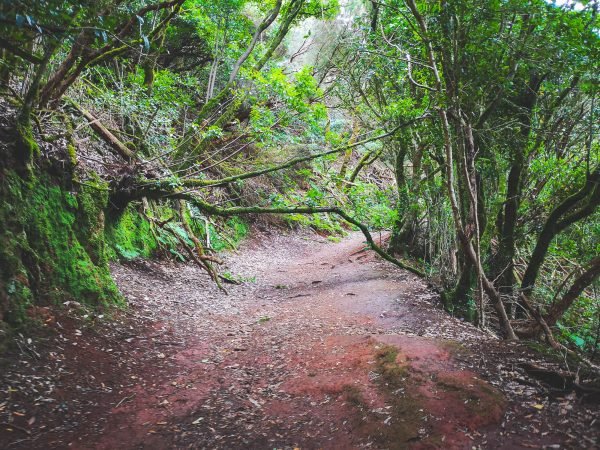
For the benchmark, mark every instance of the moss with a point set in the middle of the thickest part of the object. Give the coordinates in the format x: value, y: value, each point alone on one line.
x: 52, y: 246
x: 322, y: 223
x: 130, y: 236
x: 480, y: 399
x: 455, y: 348
x: 459, y: 306
x: 388, y: 367
x: 72, y: 152
x: 406, y: 408
x: 92, y: 200
x: 26, y: 147
x: 386, y: 354
x: 68, y: 265
x: 354, y: 396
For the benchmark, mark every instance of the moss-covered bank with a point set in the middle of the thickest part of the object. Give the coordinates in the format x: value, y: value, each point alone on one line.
x: 52, y: 245
x: 56, y: 240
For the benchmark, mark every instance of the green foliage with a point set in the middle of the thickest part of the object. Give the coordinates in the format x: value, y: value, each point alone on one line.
x: 237, y: 279
x: 230, y: 232
x: 213, y: 18
x: 27, y: 147
x: 557, y: 175
x: 151, y: 115
x: 320, y: 222
x: 323, y: 9
x: 373, y: 206
x: 579, y: 326
x: 299, y: 106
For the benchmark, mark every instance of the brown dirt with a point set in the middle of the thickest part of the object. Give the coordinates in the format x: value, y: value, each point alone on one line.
x: 323, y: 346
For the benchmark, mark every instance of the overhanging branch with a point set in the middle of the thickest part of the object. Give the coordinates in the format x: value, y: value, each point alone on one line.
x: 239, y: 210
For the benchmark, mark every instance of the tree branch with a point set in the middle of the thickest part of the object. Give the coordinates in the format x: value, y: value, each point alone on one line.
x: 555, y: 225
x: 293, y: 162
x: 576, y: 289
x: 262, y: 27
x: 238, y: 210
x: 113, y: 142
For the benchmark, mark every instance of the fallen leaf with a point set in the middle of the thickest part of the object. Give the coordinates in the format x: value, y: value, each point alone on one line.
x: 254, y: 402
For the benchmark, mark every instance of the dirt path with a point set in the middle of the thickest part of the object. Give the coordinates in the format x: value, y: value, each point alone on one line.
x: 322, y: 346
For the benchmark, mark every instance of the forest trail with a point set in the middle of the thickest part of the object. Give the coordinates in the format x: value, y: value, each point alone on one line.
x: 323, y: 346
x: 325, y: 354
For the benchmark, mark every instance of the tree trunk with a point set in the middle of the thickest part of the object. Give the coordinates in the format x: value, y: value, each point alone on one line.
x: 348, y: 154
x: 398, y: 239
x: 292, y: 12
x: 503, y: 262
x: 113, y: 142
x: 262, y: 27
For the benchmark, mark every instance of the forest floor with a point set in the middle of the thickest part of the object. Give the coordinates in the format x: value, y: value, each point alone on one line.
x: 322, y: 346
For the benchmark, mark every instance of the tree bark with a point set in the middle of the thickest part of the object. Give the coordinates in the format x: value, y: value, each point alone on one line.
x: 294, y: 8
x: 503, y: 268
x: 348, y: 153
x: 398, y: 240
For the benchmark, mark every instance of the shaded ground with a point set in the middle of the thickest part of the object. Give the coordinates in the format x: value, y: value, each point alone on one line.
x: 322, y: 346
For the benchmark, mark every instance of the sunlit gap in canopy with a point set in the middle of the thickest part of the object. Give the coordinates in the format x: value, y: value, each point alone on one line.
x: 575, y: 5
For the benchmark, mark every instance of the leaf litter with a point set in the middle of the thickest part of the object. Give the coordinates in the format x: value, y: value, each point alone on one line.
x: 273, y: 366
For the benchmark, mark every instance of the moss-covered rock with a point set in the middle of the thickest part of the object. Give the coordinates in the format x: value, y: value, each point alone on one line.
x: 92, y: 200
